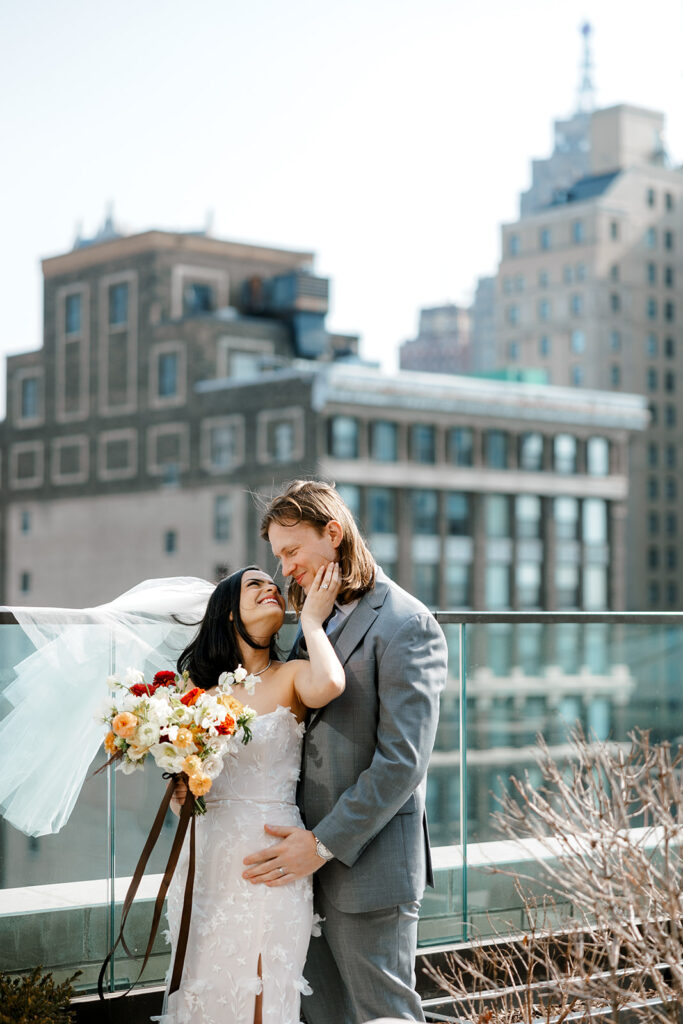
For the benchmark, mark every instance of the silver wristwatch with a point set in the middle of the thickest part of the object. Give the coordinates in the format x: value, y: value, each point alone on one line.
x: 322, y: 850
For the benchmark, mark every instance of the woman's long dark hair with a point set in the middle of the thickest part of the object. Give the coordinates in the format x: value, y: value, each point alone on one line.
x: 215, y: 648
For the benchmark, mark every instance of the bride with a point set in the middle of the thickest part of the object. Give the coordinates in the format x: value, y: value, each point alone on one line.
x: 247, y: 944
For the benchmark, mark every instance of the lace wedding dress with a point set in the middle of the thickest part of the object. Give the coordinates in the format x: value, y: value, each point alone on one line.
x: 235, y: 923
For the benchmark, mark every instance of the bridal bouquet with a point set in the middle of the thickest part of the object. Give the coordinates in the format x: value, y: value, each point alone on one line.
x: 183, y: 730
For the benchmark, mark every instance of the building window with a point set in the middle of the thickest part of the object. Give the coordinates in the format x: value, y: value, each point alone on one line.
x: 671, y: 524
x: 496, y: 449
x: 497, y: 587
x: 567, y: 273
x: 343, y: 437
x: 669, y: 381
x: 530, y: 456
x: 224, y: 445
x: 669, y: 277
x: 461, y: 446
x: 652, y: 488
x: 578, y: 232
x: 527, y: 516
x: 28, y: 402
x: 614, y: 272
x: 198, y: 298
x: 594, y: 587
x: 507, y: 285
x: 669, y: 348
x: 615, y: 375
x: 283, y: 441
x: 652, y: 379
x: 426, y: 582
x: 651, y: 308
x: 544, y: 238
x: 671, y: 488
x: 544, y: 309
x: 513, y: 245
x: 597, y: 456
x: 25, y: 521
x: 497, y: 515
x: 566, y: 586
x: 594, y: 522
x: 671, y: 559
x: 653, y: 592
x: 25, y: 582
x: 167, y: 375
x: 651, y: 238
x: 513, y: 351
x: 170, y: 542
x: 652, y: 273
x: 652, y: 455
x: 528, y: 585
x: 615, y: 341
x: 457, y: 514
x: 614, y: 230
x: 653, y: 524
x: 653, y: 558
x: 671, y: 594
x: 576, y: 304
x: 381, y: 509
x: 384, y: 441
x: 458, y: 585
x: 668, y: 200
x: 670, y: 415
x: 615, y: 302
x: 564, y: 453
x: 670, y: 456
x: 425, y: 512
x: 651, y: 346
x: 544, y: 345
x: 578, y: 342
x: 650, y: 197
x: 222, y: 517
x: 566, y: 517
x: 423, y: 443
x: 668, y: 240
x: 669, y: 311
x: 512, y: 314
x: 577, y: 376
x: 350, y: 495
x: 72, y: 314
x: 118, y: 304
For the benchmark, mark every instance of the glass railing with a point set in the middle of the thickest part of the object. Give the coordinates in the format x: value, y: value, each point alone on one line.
x: 512, y: 677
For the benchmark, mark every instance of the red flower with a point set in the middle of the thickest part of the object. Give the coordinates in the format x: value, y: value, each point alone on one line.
x: 191, y: 697
x: 143, y: 689
x: 164, y: 678
x: 227, y: 726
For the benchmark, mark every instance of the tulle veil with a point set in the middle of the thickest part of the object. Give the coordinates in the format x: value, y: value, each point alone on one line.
x: 51, y: 734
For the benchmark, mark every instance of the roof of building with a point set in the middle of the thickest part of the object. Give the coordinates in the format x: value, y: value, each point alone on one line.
x: 585, y: 188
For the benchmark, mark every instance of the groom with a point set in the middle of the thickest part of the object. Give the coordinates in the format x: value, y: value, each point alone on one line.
x: 362, y: 790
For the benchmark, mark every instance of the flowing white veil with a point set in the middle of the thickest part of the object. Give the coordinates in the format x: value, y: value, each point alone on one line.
x: 51, y: 734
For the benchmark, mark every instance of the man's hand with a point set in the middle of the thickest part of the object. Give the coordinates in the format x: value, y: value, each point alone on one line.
x: 293, y: 858
x: 180, y: 794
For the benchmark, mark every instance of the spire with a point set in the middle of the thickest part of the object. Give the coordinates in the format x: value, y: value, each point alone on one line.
x: 586, y: 94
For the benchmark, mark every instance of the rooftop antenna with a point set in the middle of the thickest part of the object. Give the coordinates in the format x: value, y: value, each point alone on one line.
x: 586, y: 94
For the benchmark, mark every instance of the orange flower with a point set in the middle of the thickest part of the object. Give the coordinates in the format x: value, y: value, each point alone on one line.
x: 199, y: 784
x: 110, y: 743
x: 191, y: 697
x: 184, y: 739
x: 192, y: 765
x: 232, y: 704
x: 125, y: 724
x: 226, y: 727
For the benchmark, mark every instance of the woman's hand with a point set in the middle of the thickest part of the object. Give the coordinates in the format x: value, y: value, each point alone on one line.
x: 179, y: 794
x: 321, y: 595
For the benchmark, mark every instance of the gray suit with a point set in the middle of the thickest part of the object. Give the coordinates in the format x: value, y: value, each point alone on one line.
x: 362, y: 792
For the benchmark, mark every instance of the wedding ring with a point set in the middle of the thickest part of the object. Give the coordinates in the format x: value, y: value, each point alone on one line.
x: 282, y: 870
x: 324, y: 586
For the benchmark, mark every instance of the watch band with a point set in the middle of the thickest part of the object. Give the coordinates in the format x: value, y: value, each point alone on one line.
x: 322, y: 850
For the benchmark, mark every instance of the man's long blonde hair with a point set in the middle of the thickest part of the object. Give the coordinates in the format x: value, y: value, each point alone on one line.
x: 316, y: 504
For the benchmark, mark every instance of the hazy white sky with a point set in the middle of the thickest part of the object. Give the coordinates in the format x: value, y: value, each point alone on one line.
x: 390, y: 137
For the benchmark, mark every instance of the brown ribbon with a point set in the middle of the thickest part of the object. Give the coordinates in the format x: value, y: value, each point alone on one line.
x: 186, y: 818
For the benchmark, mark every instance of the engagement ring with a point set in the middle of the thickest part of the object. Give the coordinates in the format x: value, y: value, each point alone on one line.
x: 324, y: 586
x: 282, y: 871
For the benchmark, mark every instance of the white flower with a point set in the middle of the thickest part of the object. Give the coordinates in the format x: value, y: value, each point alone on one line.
x: 158, y: 710
x: 128, y: 767
x: 240, y: 674
x: 169, y: 759
x: 225, y: 681
x: 212, y: 766
x: 137, y: 752
x: 133, y: 676
x: 113, y: 682
x: 147, y: 734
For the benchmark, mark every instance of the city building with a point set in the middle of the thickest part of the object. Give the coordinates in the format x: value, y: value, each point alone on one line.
x: 443, y: 343
x: 588, y: 290
x: 183, y: 377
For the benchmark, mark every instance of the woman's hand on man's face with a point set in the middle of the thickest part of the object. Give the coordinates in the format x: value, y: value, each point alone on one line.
x: 322, y: 594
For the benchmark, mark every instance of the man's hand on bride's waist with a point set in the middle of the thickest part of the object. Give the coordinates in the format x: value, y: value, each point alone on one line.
x: 295, y: 857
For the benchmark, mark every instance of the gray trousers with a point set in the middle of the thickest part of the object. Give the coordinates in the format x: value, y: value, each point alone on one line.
x: 363, y: 965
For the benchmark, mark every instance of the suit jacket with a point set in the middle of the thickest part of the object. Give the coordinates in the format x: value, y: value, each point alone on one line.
x: 362, y: 788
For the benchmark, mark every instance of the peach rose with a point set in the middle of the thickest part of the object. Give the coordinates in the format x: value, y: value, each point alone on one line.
x: 184, y: 739
x: 110, y: 743
x: 125, y: 724
x: 231, y: 704
x: 199, y: 784
x: 192, y: 765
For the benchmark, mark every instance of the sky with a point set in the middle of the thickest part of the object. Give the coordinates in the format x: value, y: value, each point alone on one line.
x: 392, y: 138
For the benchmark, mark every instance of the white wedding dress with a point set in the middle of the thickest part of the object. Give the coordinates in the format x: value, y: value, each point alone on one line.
x: 234, y: 922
